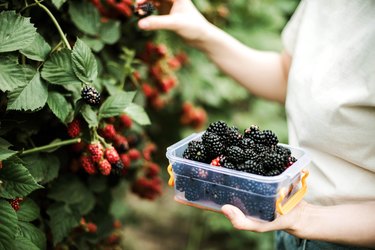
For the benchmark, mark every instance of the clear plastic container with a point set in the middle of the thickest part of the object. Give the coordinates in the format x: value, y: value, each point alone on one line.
x: 210, y: 187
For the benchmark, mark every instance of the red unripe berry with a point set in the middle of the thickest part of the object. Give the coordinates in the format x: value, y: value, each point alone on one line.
x: 174, y: 63
x: 216, y: 161
x: 91, y: 227
x: 109, y: 131
x: 152, y: 170
x: 15, y: 203
x: 148, y: 90
x: 126, y: 161
x: 105, y: 167
x: 121, y: 143
x: 74, y: 128
x: 126, y: 121
x: 87, y: 164
x: 148, y: 150
x: 111, y: 155
x: 134, y: 154
x: 96, y: 151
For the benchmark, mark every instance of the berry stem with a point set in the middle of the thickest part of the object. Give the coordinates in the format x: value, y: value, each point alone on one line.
x: 50, y: 146
x: 63, y: 37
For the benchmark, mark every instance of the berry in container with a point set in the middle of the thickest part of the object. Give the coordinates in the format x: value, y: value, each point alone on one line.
x: 249, y: 170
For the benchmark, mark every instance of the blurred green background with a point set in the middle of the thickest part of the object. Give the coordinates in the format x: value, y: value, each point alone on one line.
x: 165, y: 224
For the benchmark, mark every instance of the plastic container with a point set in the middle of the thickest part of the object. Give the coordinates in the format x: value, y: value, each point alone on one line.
x: 210, y: 187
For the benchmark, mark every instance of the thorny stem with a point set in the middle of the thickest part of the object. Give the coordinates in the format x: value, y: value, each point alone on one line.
x: 50, y: 146
x: 63, y: 37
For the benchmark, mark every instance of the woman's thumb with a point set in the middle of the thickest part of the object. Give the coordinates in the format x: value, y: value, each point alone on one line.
x: 157, y: 22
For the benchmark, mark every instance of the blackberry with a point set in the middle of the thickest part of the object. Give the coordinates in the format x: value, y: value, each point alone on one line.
x: 192, y: 194
x: 218, y: 194
x: 144, y: 9
x: 270, y: 138
x: 90, y: 95
x: 213, y: 144
x: 220, y: 128
x: 181, y: 182
x: 254, y: 167
x: 199, y: 173
x: 247, y: 143
x: 274, y: 172
x: 258, y: 137
x: 250, y: 130
x: 235, y: 154
x: 283, y: 151
x: 195, y: 152
x: 250, y: 154
x: 224, y: 162
x: 234, y: 137
x: 117, y: 167
x: 275, y: 161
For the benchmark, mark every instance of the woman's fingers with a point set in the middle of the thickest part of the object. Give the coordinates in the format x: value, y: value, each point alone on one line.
x: 157, y: 22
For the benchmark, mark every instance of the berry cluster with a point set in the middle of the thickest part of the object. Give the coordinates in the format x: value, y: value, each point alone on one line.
x: 114, y: 9
x: 15, y: 203
x: 193, y: 116
x: 254, y: 151
x: 160, y: 70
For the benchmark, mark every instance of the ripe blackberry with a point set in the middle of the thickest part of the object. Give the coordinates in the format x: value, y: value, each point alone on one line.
x: 117, y: 167
x: 235, y: 154
x: 144, y: 9
x: 283, y: 151
x: 273, y: 172
x: 195, y: 152
x: 250, y: 154
x: 250, y: 130
x: 181, y: 182
x: 220, y: 128
x: 234, y: 137
x: 254, y: 167
x: 218, y: 194
x: 292, y: 160
x: 247, y: 143
x: 270, y: 139
x: 275, y: 161
x: 213, y: 144
x: 257, y: 136
x: 90, y: 95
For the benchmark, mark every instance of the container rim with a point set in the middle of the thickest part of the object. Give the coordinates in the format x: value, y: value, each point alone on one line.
x: 290, y: 172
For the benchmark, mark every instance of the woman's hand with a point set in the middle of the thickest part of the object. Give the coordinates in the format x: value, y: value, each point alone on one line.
x: 290, y: 222
x: 184, y: 19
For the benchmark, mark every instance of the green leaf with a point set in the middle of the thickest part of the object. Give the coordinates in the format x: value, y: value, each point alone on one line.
x: 116, y: 104
x: 30, y: 97
x: 22, y: 243
x: 28, y: 211
x: 8, y: 224
x: 138, y: 114
x: 43, y: 167
x: 59, y: 105
x: 90, y: 116
x: 32, y: 233
x: 85, y: 16
x: 17, y: 180
x: 84, y: 63
x: 16, y: 31
x: 58, y: 69
x: 62, y: 220
x: 110, y: 32
x: 94, y: 43
x: 38, y: 50
x: 68, y: 189
x: 58, y: 3
x: 12, y: 74
x: 5, y: 153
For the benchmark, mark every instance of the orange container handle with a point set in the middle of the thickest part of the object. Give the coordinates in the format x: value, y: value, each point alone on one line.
x: 295, y: 199
x: 171, y: 176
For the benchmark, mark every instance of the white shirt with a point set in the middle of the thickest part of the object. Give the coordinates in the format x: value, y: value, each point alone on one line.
x: 331, y: 96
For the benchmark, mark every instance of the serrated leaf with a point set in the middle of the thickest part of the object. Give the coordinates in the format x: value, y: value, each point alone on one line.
x: 32, y: 233
x: 22, y: 243
x: 110, y: 32
x: 94, y: 43
x: 8, y: 224
x: 17, y: 181
x: 16, y: 31
x: 5, y: 152
x: 31, y: 97
x: 58, y: 69
x: 58, y: 3
x: 62, y: 220
x: 12, y: 74
x: 68, y: 189
x: 38, y: 50
x: 28, y: 211
x: 90, y: 116
x: 138, y: 114
x: 43, y: 167
x: 85, y: 16
x: 84, y: 63
x: 59, y: 105
x: 116, y: 104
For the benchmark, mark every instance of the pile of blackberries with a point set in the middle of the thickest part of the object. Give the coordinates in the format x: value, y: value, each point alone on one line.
x: 254, y: 151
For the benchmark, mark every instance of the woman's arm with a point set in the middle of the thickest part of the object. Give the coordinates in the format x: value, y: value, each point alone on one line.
x: 349, y: 224
x: 262, y: 73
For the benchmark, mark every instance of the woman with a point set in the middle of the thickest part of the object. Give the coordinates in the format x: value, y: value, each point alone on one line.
x: 326, y: 78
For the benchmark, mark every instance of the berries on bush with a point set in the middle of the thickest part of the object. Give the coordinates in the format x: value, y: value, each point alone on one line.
x: 134, y: 154
x: 87, y: 164
x: 118, y: 167
x: 96, y: 151
x: 108, y: 131
x: 111, y: 155
x: 126, y: 121
x: 104, y: 167
x: 90, y: 95
x: 74, y: 128
x: 15, y: 203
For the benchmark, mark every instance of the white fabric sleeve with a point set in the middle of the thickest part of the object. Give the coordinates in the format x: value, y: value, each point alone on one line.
x: 290, y: 32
